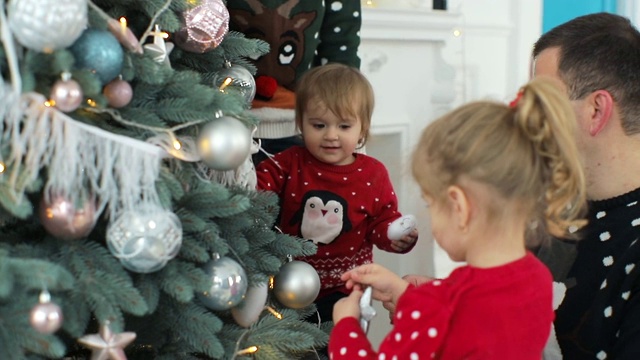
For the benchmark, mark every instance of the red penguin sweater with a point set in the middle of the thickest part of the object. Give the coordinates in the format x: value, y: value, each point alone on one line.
x: 345, y: 210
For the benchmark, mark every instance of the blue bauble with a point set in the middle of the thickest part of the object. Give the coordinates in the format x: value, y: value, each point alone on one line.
x: 100, y: 52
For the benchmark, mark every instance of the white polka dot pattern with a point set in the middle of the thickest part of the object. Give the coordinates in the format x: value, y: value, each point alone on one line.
x: 629, y: 268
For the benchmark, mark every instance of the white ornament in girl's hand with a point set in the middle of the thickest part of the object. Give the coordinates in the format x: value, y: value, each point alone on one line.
x: 367, y: 312
x: 401, y: 227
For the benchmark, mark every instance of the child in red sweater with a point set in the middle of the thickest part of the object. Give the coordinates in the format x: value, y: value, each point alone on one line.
x: 486, y: 171
x: 341, y: 200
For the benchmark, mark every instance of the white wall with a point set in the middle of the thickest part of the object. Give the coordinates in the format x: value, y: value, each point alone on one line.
x: 498, y: 36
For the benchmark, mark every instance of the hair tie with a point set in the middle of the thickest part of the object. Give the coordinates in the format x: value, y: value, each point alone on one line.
x: 515, y: 101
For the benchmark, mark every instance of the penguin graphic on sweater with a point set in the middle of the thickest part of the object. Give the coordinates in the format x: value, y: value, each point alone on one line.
x: 322, y: 216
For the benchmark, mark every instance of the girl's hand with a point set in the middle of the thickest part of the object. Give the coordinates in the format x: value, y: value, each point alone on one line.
x: 348, y: 306
x: 416, y: 280
x: 386, y: 285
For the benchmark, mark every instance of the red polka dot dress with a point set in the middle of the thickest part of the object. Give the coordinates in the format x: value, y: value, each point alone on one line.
x: 502, y: 313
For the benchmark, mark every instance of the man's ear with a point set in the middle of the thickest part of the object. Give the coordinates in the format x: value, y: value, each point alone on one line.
x: 460, y: 205
x: 602, y: 103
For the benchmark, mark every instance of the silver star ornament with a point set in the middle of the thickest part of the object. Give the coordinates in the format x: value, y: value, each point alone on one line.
x: 107, y: 345
x: 160, y: 49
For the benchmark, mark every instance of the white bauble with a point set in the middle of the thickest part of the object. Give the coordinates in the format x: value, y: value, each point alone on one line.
x: 145, y: 241
x: 228, y: 284
x: 249, y: 310
x: 47, y: 25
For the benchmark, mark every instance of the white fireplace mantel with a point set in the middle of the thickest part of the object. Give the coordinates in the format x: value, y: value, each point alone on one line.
x: 403, y: 24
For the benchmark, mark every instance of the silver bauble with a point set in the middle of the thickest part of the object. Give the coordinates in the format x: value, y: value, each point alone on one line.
x: 228, y: 284
x: 249, y: 310
x: 145, y: 241
x: 47, y: 25
x: 224, y: 143
x: 296, y: 285
x: 236, y: 77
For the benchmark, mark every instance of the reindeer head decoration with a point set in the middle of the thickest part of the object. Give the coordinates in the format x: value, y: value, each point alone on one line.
x: 283, y: 32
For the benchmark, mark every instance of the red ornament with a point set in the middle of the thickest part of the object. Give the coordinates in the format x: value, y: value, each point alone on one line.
x: 266, y: 86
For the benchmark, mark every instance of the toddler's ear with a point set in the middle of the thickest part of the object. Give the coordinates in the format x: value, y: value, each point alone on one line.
x: 460, y: 204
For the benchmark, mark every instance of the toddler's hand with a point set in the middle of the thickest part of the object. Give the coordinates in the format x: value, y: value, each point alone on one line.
x: 405, y: 242
x: 348, y: 306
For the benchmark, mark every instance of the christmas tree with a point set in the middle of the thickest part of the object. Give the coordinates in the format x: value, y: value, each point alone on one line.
x: 129, y: 223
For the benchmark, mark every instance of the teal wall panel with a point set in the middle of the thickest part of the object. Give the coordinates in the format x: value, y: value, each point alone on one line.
x: 556, y: 12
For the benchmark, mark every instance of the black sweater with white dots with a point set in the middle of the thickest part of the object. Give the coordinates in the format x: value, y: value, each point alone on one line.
x: 599, y: 317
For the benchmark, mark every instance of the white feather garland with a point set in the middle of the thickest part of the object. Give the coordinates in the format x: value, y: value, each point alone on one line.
x: 120, y: 172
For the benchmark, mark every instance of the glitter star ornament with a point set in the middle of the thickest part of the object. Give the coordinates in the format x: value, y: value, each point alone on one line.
x: 160, y: 49
x: 107, y: 345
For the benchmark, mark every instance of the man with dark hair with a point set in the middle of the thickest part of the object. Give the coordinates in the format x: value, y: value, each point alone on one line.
x: 597, y: 59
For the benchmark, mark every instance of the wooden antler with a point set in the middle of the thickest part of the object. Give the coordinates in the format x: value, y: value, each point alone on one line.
x: 285, y: 9
x: 256, y: 6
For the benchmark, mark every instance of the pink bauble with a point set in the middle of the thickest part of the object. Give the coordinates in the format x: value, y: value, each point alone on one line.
x: 67, y: 95
x: 118, y: 93
x: 46, y: 318
x: 204, y: 27
x: 64, y: 220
